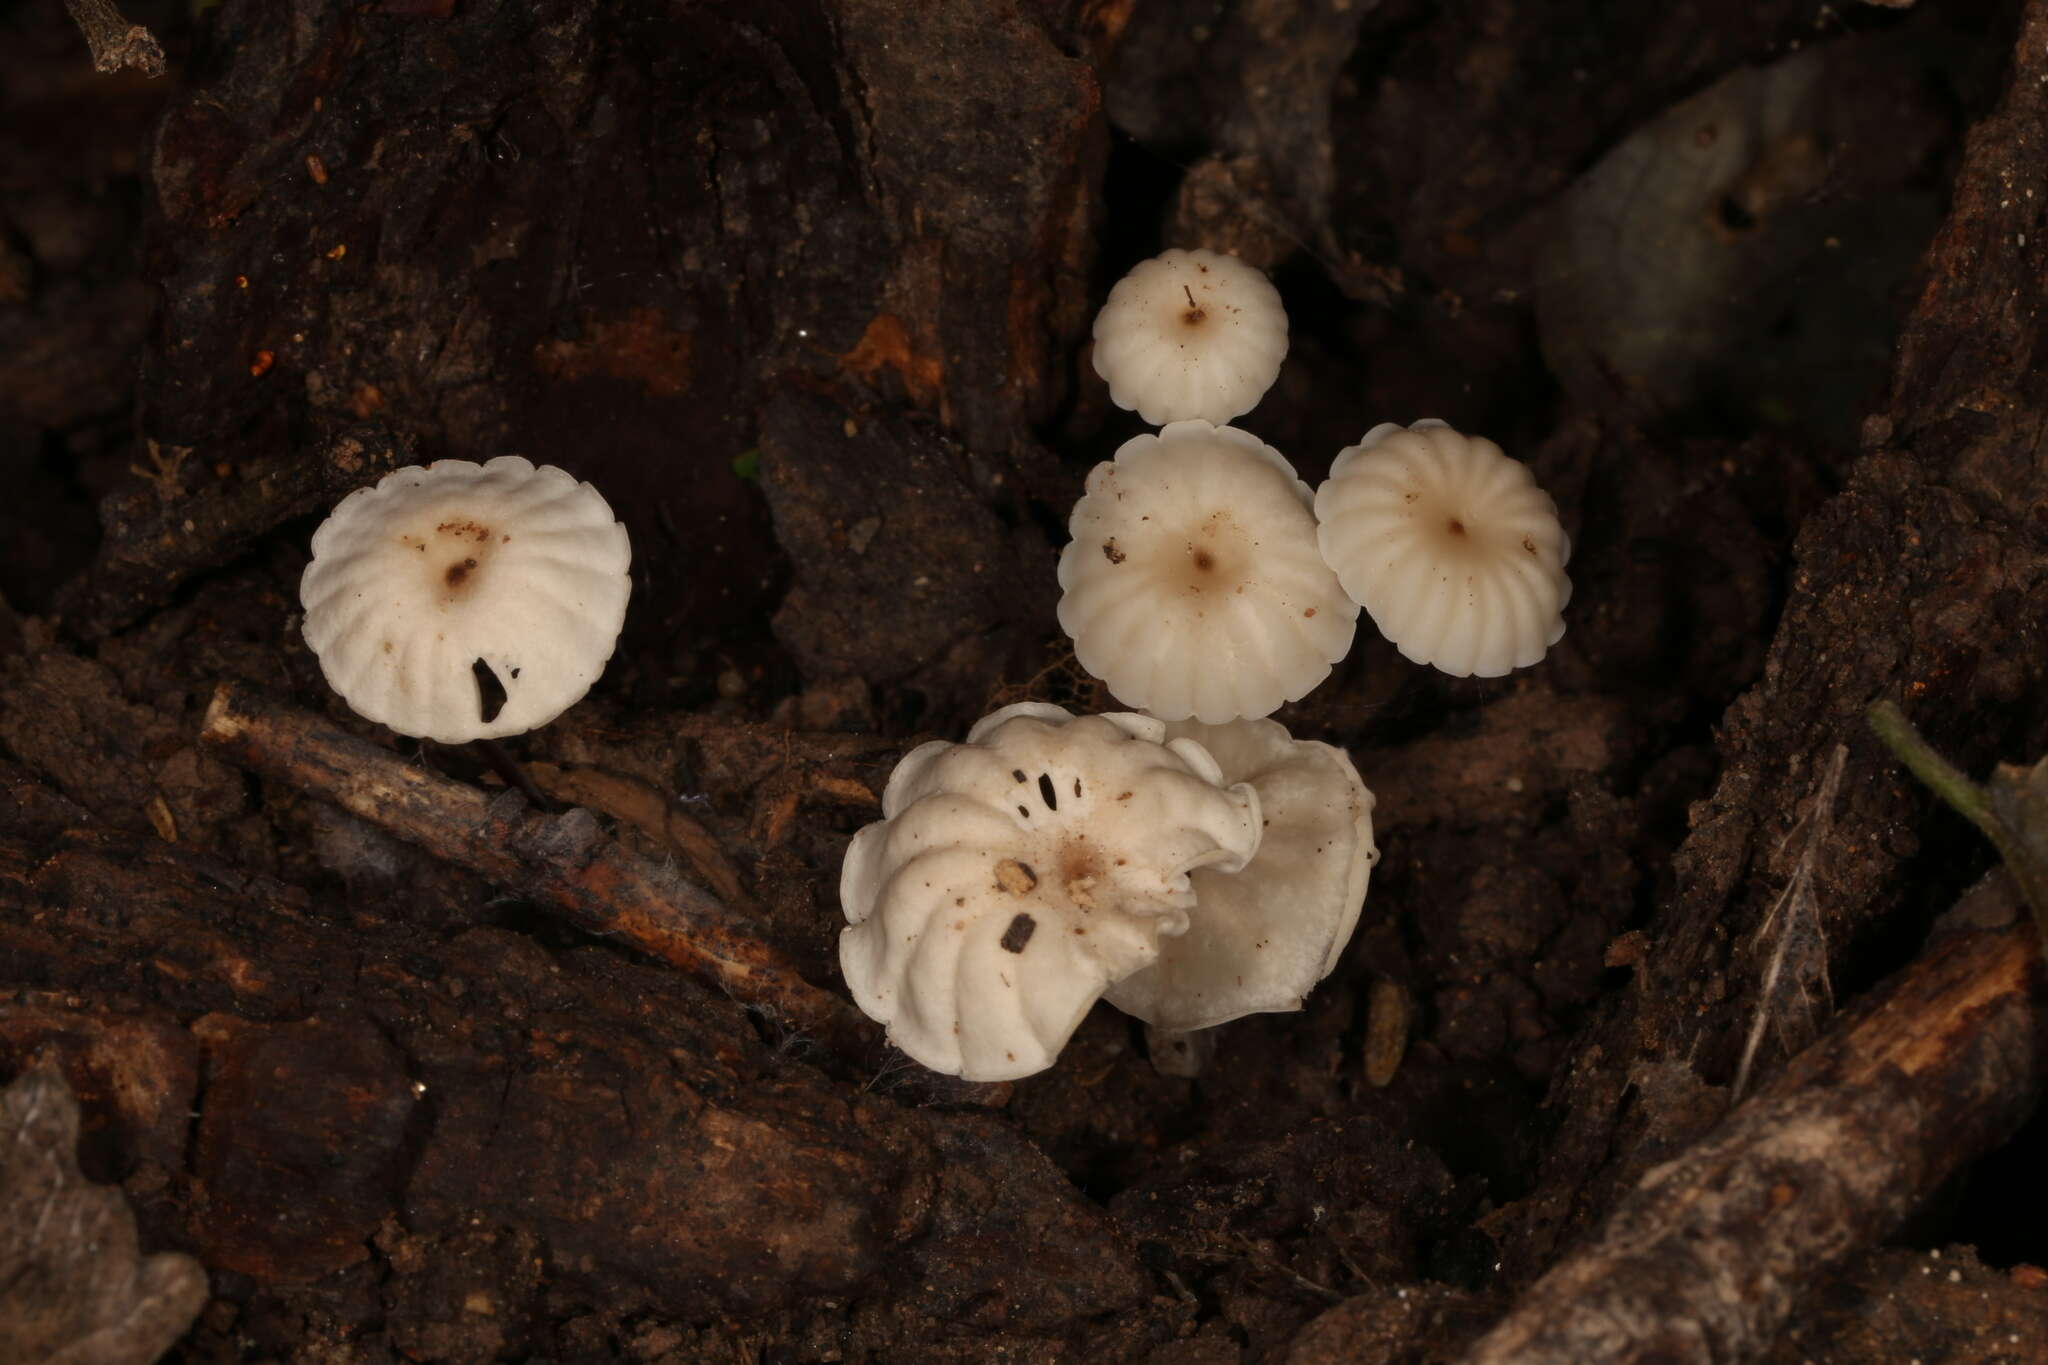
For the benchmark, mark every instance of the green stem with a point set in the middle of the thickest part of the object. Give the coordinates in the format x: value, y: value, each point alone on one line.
x: 1968, y: 799
x: 1941, y: 776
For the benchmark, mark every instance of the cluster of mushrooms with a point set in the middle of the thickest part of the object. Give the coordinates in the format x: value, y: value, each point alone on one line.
x: 1187, y: 860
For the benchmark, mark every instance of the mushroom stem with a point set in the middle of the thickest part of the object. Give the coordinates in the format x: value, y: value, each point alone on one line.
x: 562, y: 861
x: 1182, y: 1054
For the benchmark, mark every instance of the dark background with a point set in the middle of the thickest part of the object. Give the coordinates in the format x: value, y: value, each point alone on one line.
x: 804, y: 287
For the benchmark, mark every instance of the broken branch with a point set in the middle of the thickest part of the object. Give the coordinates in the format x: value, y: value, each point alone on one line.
x: 561, y: 861
x: 1700, y: 1262
x: 114, y: 41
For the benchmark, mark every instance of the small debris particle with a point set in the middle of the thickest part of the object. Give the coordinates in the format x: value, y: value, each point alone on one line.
x: 1111, y: 553
x: 1631, y: 949
x: 1016, y: 878
x: 1019, y: 933
x: 316, y: 168
x: 260, y: 366
x: 1386, y: 1031
x: 159, y: 813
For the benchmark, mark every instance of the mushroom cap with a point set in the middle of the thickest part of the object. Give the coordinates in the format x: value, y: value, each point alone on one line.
x: 1192, y: 585
x: 1449, y: 545
x: 1260, y: 938
x: 1190, y: 334
x: 1015, y: 875
x: 438, y: 568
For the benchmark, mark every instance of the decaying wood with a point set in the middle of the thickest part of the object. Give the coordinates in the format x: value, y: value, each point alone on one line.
x: 803, y: 287
x: 653, y: 814
x: 563, y: 861
x: 158, y: 540
x: 115, y: 42
x: 1702, y: 1260
x: 301, y: 1096
x: 1917, y: 582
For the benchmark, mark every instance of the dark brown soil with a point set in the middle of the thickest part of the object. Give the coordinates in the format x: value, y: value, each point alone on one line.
x: 804, y: 286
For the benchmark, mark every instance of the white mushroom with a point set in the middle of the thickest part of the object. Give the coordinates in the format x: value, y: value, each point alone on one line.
x: 1190, y: 334
x: 1261, y: 937
x: 1012, y: 877
x: 1192, y: 584
x: 1449, y: 545
x: 443, y: 577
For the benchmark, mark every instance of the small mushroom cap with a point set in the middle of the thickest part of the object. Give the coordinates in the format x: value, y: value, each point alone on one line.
x: 1192, y: 585
x: 1013, y: 876
x: 1260, y: 938
x: 1450, y: 546
x: 1190, y: 334
x: 440, y: 568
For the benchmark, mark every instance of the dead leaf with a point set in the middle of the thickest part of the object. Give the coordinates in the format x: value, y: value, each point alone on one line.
x: 74, y: 1288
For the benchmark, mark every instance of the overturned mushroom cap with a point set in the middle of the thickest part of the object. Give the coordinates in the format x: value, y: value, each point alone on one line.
x: 455, y: 601
x: 1261, y: 937
x: 1015, y: 875
x: 1192, y: 584
x: 1450, y: 545
x: 1190, y: 334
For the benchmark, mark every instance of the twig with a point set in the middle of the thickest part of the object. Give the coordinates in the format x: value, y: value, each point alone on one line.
x: 1700, y: 1262
x: 560, y: 861
x: 114, y: 41
x: 1265, y: 1260
x: 1797, y: 922
x: 637, y: 803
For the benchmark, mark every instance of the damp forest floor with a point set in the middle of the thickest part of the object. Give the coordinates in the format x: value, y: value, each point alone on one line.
x: 805, y: 287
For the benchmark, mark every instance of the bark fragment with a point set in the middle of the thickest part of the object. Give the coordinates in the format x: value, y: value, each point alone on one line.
x: 562, y: 860
x: 1702, y: 1260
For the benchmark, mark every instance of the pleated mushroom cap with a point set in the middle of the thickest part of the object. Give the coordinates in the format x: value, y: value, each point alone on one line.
x: 1191, y: 334
x: 1260, y: 937
x: 1015, y: 875
x: 1449, y: 545
x: 1193, y: 586
x: 440, y: 569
